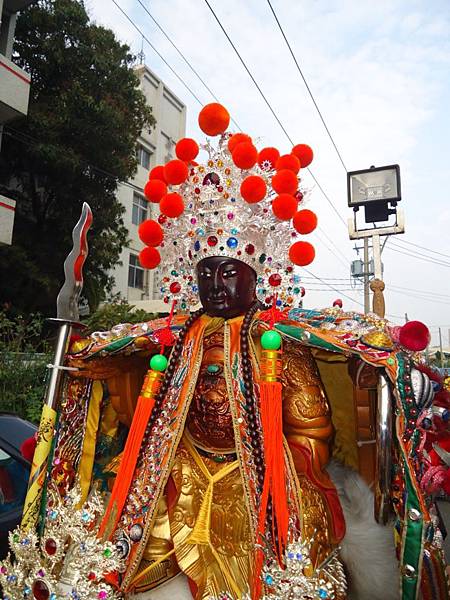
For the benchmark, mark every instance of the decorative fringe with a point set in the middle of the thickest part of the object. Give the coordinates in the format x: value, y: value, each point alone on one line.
x: 130, y: 454
x: 275, y: 475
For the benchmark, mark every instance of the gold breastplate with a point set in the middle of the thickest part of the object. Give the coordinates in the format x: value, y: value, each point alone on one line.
x: 209, y: 421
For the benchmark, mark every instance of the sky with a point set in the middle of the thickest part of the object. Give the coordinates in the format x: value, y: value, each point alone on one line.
x: 379, y: 74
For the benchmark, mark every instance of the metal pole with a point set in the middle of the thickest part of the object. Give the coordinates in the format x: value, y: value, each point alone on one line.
x: 440, y: 348
x: 376, y: 248
x: 366, y: 276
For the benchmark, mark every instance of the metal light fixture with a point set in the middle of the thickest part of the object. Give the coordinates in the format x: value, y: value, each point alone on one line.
x: 375, y: 189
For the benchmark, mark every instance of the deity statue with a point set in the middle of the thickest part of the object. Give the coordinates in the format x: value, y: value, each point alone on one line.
x: 214, y: 462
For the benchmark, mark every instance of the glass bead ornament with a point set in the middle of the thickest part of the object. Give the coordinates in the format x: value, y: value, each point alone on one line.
x: 158, y: 362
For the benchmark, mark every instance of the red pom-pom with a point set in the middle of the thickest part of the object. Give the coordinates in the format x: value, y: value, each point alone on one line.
x: 157, y: 173
x: 245, y: 155
x: 27, y: 448
x: 213, y: 119
x: 172, y: 205
x: 149, y: 257
x: 175, y: 172
x: 268, y: 156
x: 284, y: 207
x: 253, y: 189
x: 302, y: 253
x: 304, y: 154
x: 151, y: 233
x: 288, y: 161
x: 186, y: 149
x: 414, y: 336
x: 238, y: 138
x: 305, y: 221
x: 155, y: 189
x: 285, y: 182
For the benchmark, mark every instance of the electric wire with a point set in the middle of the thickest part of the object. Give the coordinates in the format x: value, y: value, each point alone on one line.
x: 306, y: 84
x: 156, y: 51
x: 402, y: 241
x: 417, y: 256
x: 269, y: 105
x: 183, y: 56
x: 31, y: 141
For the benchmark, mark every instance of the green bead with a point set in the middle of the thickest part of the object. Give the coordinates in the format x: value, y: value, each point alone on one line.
x: 107, y: 553
x: 271, y: 340
x: 158, y: 362
x: 213, y: 368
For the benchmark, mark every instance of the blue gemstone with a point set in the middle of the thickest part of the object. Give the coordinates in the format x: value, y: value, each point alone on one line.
x: 446, y: 415
x: 279, y: 303
x: 195, y: 288
x: 213, y: 368
x: 296, y: 279
x: 52, y: 596
x: 197, y: 246
x: 436, y: 386
x: 291, y: 555
x: 234, y: 231
x: 299, y: 556
x: 323, y: 593
x: 232, y: 242
x: 268, y: 579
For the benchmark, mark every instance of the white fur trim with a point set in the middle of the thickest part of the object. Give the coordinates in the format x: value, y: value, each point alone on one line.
x: 368, y: 550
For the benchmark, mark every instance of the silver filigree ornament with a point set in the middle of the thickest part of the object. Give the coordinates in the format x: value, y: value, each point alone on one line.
x: 299, y: 580
x: 68, y: 561
x: 217, y: 221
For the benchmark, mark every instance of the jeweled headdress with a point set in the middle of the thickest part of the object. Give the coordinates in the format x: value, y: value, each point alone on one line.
x: 242, y: 203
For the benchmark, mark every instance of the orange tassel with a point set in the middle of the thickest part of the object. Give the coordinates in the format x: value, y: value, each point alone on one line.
x: 130, y: 454
x: 275, y: 475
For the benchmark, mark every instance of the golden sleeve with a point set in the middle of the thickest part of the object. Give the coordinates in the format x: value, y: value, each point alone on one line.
x: 306, y: 414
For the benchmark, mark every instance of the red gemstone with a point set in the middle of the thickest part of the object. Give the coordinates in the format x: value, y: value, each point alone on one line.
x: 92, y: 576
x: 175, y: 287
x: 50, y: 546
x: 212, y: 240
x: 162, y: 219
x: 40, y: 590
x: 275, y: 280
x: 250, y: 249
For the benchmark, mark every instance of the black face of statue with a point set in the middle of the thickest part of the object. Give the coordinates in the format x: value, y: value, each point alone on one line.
x: 226, y: 286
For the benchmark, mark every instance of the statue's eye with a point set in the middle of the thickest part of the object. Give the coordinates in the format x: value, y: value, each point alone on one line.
x: 205, y: 274
x: 230, y: 273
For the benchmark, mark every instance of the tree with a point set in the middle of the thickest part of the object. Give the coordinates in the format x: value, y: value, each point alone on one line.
x: 78, y: 141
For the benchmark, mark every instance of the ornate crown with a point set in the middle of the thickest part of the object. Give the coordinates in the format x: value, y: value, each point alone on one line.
x: 240, y: 203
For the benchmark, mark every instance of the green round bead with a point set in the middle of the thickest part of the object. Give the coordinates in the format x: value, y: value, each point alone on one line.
x: 158, y: 362
x: 271, y: 340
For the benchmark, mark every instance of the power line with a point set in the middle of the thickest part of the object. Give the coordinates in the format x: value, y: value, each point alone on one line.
x: 332, y: 287
x: 156, y: 51
x: 402, y: 241
x: 34, y: 142
x: 183, y: 57
x: 268, y: 104
x: 417, y: 255
x: 306, y: 84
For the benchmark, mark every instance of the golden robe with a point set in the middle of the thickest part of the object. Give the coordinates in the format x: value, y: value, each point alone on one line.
x: 202, y: 523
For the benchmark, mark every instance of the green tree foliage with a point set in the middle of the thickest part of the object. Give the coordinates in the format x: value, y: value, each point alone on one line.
x: 77, y: 142
x: 24, y: 356
x: 114, y: 312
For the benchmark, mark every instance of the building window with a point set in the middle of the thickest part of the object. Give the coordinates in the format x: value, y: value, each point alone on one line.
x: 135, y: 273
x: 143, y: 156
x: 139, y: 213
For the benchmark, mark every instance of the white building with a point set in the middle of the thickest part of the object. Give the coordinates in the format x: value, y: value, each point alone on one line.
x: 155, y: 147
x: 14, y: 94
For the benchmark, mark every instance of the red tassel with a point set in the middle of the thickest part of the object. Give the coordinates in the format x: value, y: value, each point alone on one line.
x: 130, y: 454
x: 275, y: 474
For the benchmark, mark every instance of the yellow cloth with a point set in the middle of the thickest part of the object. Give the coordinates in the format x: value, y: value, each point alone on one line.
x: 90, y: 439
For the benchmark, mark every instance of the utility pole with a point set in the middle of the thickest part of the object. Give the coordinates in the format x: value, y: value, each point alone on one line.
x: 440, y: 348
x: 366, y: 276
